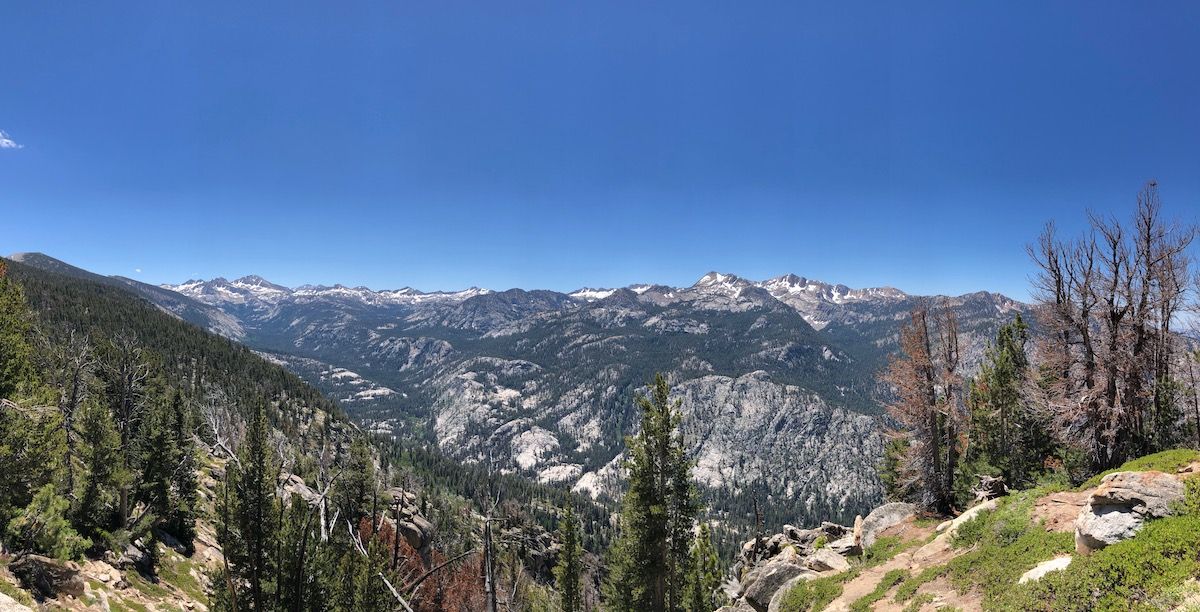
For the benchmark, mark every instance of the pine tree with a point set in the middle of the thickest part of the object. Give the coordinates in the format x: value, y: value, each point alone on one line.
x: 95, y: 510
x: 569, y: 569
x: 928, y: 408
x: 1007, y: 435
x: 158, y: 460
x: 705, y: 580
x: 356, y: 487
x: 15, y: 367
x: 43, y: 527
x: 650, y: 561
x: 181, y: 517
x: 249, y: 526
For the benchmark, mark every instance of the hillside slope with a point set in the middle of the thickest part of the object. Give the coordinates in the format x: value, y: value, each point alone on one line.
x: 1126, y: 540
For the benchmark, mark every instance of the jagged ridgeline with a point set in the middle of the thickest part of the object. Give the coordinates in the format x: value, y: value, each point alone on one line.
x: 67, y: 299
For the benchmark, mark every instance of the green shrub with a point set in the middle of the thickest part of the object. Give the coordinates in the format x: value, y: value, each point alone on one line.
x: 1137, y: 574
x: 43, y: 527
x: 1190, y: 505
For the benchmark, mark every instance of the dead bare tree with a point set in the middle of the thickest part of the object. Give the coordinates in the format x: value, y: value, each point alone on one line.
x: 1107, y: 304
x: 928, y: 407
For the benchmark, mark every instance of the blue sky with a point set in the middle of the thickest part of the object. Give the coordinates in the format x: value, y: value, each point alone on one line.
x: 559, y: 144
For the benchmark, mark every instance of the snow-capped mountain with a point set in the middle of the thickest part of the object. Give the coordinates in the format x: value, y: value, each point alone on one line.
x: 250, y: 289
x: 776, y: 375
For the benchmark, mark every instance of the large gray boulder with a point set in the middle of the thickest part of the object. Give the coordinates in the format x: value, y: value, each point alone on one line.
x: 883, y: 517
x: 826, y: 560
x: 1121, y: 505
x: 761, y: 583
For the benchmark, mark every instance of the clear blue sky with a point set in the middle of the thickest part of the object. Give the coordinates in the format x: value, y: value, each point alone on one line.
x: 558, y: 144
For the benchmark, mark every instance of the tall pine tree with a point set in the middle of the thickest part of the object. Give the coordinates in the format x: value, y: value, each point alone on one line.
x: 706, y: 574
x: 650, y: 561
x: 249, y: 521
x: 1008, y: 437
x: 570, y: 562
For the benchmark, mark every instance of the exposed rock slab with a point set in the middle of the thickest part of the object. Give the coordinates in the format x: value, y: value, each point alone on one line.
x: 1120, y: 506
x: 1045, y: 567
x: 883, y: 517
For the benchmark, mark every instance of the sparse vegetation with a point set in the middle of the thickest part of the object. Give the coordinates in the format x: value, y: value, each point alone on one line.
x: 814, y: 595
x: 889, y: 580
x: 1165, y: 461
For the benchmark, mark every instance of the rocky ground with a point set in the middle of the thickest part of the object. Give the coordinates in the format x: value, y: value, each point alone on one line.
x: 895, y: 560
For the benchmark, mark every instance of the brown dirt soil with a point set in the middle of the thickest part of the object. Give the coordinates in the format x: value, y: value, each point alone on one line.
x: 1058, y: 511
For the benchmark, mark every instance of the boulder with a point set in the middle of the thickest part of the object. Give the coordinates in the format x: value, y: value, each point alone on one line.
x: 762, y: 582
x: 1045, y: 567
x: 881, y: 518
x: 846, y: 545
x: 47, y: 578
x: 135, y: 558
x: 8, y: 604
x: 292, y: 484
x: 776, y: 604
x: 1122, y: 503
x: 826, y: 560
x: 417, y: 531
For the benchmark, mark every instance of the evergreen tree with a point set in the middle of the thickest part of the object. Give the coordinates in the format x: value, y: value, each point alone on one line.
x: 356, y: 486
x: 249, y: 525
x: 703, y: 595
x: 1007, y: 436
x: 158, y: 457
x: 100, y: 451
x: 181, y: 516
x: 43, y: 527
x: 568, y: 572
x: 650, y: 561
x: 15, y: 367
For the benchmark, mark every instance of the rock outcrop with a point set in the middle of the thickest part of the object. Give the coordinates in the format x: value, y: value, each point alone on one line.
x: 1122, y: 503
x: 883, y: 517
x: 782, y: 560
x: 47, y: 578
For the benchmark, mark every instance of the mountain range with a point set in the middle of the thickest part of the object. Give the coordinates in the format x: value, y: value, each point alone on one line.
x: 776, y: 378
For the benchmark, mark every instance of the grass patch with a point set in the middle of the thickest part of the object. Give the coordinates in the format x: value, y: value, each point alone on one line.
x: 176, y: 570
x: 885, y: 548
x: 1166, y: 461
x: 16, y: 593
x: 919, y: 601
x: 124, y: 605
x: 909, y: 588
x: 816, y: 594
x: 145, y: 586
x: 889, y: 580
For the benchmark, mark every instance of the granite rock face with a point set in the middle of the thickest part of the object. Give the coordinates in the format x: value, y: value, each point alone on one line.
x: 1122, y: 503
